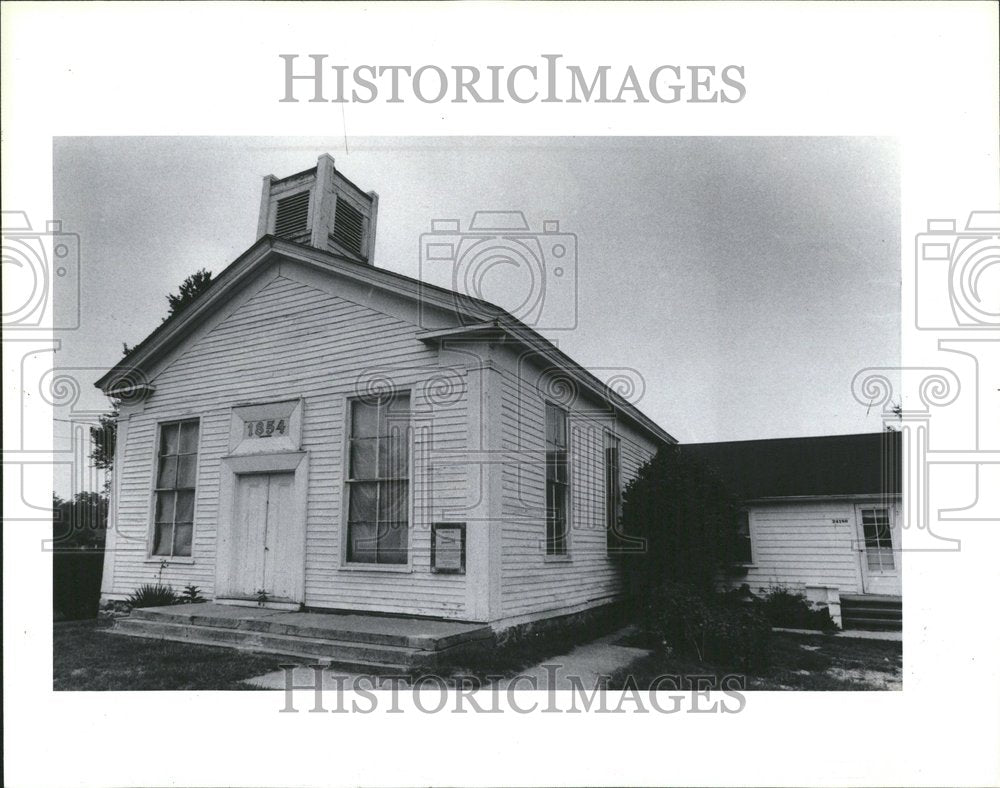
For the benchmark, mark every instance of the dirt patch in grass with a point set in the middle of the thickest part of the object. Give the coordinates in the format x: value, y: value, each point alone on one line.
x: 798, y: 662
x: 86, y: 656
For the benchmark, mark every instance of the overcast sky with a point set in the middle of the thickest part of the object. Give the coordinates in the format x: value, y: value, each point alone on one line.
x: 746, y: 279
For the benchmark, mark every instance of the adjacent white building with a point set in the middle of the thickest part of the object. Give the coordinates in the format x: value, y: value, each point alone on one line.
x: 821, y: 515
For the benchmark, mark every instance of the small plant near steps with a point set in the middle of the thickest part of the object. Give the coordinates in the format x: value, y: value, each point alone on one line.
x: 152, y: 595
x: 261, y: 595
x: 192, y: 595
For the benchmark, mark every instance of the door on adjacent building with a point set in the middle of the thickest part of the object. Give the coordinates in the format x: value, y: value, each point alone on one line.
x: 262, y: 554
x: 878, y: 548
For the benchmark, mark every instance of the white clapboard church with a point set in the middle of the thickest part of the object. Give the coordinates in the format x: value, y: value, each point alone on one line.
x: 315, y: 433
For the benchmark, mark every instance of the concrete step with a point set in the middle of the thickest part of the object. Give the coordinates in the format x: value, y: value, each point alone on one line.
x: 316, y: 626
x: 345, y: 654
x: 872, y: 612
x: 880, y: 624
x: 856, y: 611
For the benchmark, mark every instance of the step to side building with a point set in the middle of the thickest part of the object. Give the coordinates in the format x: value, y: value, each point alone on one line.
x: 870, y: 612
x: 348, y: 641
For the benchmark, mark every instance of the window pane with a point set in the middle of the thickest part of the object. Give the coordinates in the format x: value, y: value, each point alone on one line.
x: 182, y: 539
x: 876, y: 527
x: 185, y: 506
x: 186, y: 464
x: 394, y: 414
x: 189, y: 437
x: 393, y: 502
x: 363, y: 459
x: 361, y: 543
x: 556, y: 467
x: 168, y: 439
x: 880, y: 559
x: 556, y: 544
x: 163, y: 538
x: 362, y: 503
x: 364, y: 420
x: 165, y: 507
x: 394, y: 456
x: 555, y: 426
x: 168, y: 473
x: 743, y: 523
x: 392, y: 543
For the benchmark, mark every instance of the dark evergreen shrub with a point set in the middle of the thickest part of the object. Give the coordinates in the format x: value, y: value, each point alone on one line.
x: 785, y: 608
x: 681, y: 513
x: 711, y: 627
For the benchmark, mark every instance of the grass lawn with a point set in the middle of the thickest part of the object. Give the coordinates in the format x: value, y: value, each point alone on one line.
x: 799, y: 662
x: 86, y: 657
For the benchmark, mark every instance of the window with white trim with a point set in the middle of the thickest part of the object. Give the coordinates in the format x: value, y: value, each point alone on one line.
x: 378, y: 481
x: 176, y: 470
x: 556, y: 480
x: 612, y: 491
x: 744, y: 546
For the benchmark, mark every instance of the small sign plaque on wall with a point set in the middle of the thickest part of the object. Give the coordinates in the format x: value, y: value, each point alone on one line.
x: 448, y: 548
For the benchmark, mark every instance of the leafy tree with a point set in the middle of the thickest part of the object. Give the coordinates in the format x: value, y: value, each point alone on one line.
x: 190, y: 289
x: 80, y: 522
x: 687, y: 519
x: 102, y: 437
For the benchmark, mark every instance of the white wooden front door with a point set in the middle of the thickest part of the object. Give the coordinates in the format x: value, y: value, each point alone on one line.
x: 263, y: 557
x: 878, y: 549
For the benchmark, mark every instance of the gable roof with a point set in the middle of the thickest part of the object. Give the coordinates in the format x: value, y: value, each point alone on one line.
x: 828, y: 465
x: 471, y: 315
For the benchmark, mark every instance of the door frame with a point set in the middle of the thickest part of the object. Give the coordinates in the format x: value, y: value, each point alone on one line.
x: 860, y: 549
x: 296, y: 462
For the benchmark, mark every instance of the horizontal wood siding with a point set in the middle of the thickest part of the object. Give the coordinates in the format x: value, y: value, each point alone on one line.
x: 797, y: 543
x: 532, y: 583
x: 290, y: 340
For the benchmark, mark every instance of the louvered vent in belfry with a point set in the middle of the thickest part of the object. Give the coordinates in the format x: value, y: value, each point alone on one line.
x: 348, y: 226
x: 292, y: 218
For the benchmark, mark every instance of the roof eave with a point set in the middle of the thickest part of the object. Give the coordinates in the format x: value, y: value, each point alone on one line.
x: 484, y: 316
x: 513, y: 329
x: 170, y: 329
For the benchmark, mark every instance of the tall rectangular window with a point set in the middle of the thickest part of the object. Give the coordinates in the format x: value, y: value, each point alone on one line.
x: 612, y: 490
x: 176, y: 466
x: 378, y: 481
x: 744, y: 547
x: 878, y: 539
x: 556, y: 480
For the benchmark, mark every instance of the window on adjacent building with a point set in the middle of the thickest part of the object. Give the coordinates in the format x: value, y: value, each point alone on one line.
x: 556, y: 480
x: 378, y: 482
x: 744, y: 548
x: 177, y: 462
x: 612, y: 490
x: 878, y: 539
